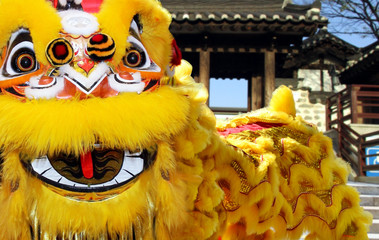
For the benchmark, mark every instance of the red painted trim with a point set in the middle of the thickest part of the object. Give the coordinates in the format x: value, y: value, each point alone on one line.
x: 251, y: 127
x: 91, y: 6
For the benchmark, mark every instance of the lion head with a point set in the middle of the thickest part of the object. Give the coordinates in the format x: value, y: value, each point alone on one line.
x: 89, y: 122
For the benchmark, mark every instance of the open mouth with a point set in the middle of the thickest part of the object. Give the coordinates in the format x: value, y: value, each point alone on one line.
x: 99, y: 170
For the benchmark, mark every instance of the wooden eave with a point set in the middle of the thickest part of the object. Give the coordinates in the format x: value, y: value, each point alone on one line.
x: 364, y: 70
x: 323, y: 45
x: 243, y: 17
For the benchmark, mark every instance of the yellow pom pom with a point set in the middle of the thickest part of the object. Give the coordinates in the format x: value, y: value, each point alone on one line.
x: 282, y: 101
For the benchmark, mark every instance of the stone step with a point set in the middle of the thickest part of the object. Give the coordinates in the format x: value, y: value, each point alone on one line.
x: 374, y: 210
x: 369, y: 200
x: 365, y: 188
x: 374, y: 228
x: 373, y: 236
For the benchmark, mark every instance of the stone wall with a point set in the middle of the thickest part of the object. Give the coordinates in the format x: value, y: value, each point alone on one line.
x: 310, y: 101
x: 313, y: 113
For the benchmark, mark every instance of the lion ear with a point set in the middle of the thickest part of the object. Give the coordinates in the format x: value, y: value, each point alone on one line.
x: 115, y: 18
x: 176, y: 57
x: 282, y: 101
x: 37, y: 16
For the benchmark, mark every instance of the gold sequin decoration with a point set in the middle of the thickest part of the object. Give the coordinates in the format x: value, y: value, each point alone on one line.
x: 255, y: 159
x: 306, y: 186
x: 276, y: 133
x: 228, y: 203
x: 245, y: 186
x: 351, y: 230
x: 333, y: 224
x: 325, y: 196
x: 337, y: 180
x: 345, y: 204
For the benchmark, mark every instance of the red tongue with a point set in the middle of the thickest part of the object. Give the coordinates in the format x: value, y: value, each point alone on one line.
x: 87, y: 164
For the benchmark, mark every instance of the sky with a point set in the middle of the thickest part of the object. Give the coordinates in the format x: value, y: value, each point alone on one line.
x: 354, y: 39
x: 228, y: 93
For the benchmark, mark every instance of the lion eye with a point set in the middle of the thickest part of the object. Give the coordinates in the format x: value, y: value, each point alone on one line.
x: 24, y: 61
x: 20, y: 57
x: 136, y: 57
x: 133, y: 58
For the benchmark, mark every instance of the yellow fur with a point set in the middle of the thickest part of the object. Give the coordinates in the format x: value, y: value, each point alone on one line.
x: 133, y: 121
x: 273, y: 183
x: 24, y: 14
x: 308, y: 193
x: 155, y: 20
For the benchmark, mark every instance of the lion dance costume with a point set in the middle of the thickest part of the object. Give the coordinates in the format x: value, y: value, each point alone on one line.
x: 104, y: 135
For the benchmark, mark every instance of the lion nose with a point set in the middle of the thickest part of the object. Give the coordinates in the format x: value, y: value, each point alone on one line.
x: 86, y: 64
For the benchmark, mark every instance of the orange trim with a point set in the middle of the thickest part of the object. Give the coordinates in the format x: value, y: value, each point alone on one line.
x: 5, y: 92
x: 21, y: 79
x: 75, y: 36
x: 144, y: 75
x: 20, y: 89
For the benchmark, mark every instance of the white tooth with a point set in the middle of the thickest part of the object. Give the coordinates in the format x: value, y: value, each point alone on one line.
x: 136, y: 76
x: 52, y: 174
x: 65, y: 181
x: 133, y: 165
x: 110, y: 183
x: 41, y: 164
x: 123, y: 176
x: 127, y: 154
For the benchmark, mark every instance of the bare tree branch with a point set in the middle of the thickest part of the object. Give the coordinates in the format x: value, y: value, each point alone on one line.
x: 363, y: 16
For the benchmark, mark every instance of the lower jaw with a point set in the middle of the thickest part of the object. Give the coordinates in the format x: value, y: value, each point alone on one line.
x: 133, y: 164
x: 90, y: 196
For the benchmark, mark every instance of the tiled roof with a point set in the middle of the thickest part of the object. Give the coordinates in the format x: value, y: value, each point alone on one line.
x: 323, y: 36
x: 222, y: 5
x: 242, y: 11
x: 371, y: 53
x: 363, y: 69
x: 322, y: 44
x: 231, y: 16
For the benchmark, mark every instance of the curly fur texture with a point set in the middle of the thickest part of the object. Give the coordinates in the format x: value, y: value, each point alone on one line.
x: 270, y: 175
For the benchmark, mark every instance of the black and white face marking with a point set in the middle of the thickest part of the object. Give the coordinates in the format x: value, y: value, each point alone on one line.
x: 110, y: 169
x: 136, y: 57
x: 20, y: 57
x: 84, y: 83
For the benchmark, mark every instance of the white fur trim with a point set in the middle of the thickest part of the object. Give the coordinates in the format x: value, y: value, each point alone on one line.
x: 78, y: 22
x: 78, y: 2
x: 170, y: 72
x: 122, y: 85
x: 63, y: 2
x: 36, y: 91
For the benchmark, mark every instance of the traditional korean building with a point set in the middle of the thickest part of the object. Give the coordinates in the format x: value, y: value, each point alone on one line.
x: 354, y: 112
x: 247, y: 39
x: 324, y: 55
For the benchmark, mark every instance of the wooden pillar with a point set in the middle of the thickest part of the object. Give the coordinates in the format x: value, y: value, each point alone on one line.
x: 269, y: 83
x: 356, y: 105
x: 256, y: 92
x: 205, y: 60
x: 322, y: 64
